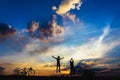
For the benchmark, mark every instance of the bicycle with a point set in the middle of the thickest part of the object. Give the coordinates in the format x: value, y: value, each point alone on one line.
x: 27, y: 72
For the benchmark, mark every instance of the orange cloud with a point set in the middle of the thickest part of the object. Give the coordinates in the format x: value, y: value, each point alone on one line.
x: 67, y: 5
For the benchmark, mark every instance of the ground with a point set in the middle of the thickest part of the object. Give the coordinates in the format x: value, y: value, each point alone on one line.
x: 58, y: 78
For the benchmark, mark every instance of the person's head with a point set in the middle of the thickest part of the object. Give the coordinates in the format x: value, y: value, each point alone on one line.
x: 71, y: 58
x: 58, y: 56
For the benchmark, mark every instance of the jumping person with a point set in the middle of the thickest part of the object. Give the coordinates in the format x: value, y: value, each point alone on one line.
x: 58, y: 63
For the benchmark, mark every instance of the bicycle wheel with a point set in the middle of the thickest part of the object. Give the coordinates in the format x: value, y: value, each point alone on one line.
x: 22, y: 72
x: 31, y: 73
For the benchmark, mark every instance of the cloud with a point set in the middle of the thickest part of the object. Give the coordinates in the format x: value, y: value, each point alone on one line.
x: 6, y: 30
x: 88, y: 62
x: 98, y: 65
x: 47, y: 31
x: 2, y: 70
x: 105, y: 33
x: 54, y: 8
x: 32, y: 27
x: 51, y: 31
x: 14, y: 44
x: 35, y: 39
x: 72, y: 17
x: 67, y: 5
x: 105, y: 62
x: 10, y: 39
x: 37, y: 47
x: 90, y: 49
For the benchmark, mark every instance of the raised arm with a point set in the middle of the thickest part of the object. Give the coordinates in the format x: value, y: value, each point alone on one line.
x: 54, y: 57
x: 62, y: 58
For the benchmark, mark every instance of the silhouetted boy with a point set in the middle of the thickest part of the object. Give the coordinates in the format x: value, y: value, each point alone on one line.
x: 58, y: 63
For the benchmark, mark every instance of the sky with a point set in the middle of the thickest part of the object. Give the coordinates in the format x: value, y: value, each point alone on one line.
x: 31, y: 31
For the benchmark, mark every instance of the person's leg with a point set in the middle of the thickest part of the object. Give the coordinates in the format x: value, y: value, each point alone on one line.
x: 59, y: 68
x: 70, y: 71
x: 56, y: 69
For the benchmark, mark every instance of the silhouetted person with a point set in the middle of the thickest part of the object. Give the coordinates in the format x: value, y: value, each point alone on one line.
x: 58, y: 63
x: 71, y: 66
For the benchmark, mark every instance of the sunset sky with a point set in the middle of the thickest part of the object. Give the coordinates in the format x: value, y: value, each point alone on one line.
x: 31, y: 31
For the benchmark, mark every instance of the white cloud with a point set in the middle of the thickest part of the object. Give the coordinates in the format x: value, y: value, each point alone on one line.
x: 72, y: 17
x: 54, y: 8
x: 105, y: 33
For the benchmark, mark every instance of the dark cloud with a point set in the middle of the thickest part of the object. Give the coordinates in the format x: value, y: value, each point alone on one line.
x: 111, y: 72
x: 99, y: 66
x: 106, y: 66
x: 86, y: 69
x: 45, y: 30
x: 1, y: 70
x: 32, y: 27
x: 6, y: 30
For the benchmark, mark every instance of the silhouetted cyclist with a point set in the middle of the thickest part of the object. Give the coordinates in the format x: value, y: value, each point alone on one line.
x: 58, y: 63
x: 71, y: 66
